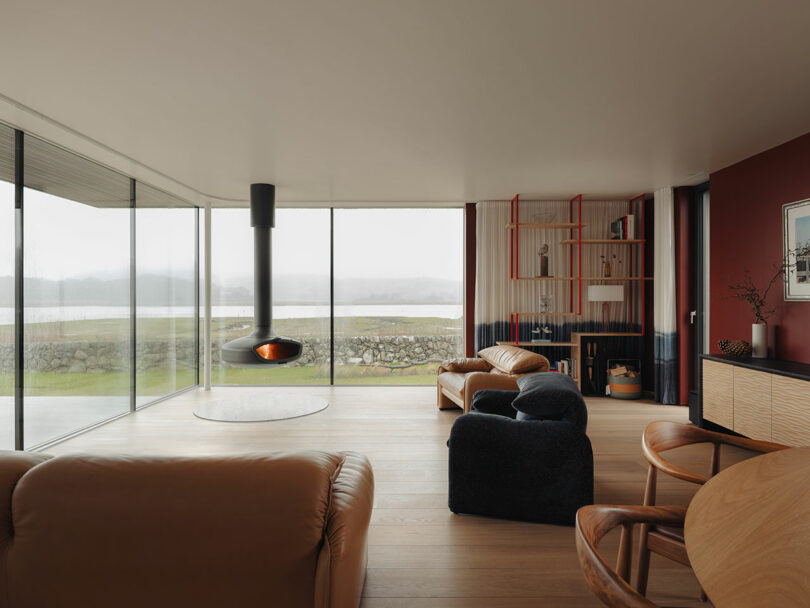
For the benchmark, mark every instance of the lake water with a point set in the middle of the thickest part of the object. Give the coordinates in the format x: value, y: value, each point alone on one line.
x: 80, y: 313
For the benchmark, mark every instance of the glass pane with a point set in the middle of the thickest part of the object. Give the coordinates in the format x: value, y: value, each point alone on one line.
x: 164, y: 287
x: 77, y: 338
x: 6, y: 288
x: 300, y: 292
x: 398, y: 294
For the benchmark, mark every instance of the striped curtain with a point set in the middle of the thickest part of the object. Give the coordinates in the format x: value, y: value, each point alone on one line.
x: 497, y: 296
x: 666, y: 337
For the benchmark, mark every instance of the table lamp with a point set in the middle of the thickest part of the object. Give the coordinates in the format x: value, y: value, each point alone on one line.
x: 606, y: 294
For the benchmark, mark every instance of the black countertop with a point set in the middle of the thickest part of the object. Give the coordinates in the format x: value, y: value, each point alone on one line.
x: 793, y: 369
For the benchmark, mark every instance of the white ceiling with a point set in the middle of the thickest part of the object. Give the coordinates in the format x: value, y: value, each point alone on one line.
x: 416, y: 100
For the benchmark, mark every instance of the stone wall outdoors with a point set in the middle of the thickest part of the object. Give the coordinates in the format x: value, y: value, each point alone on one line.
x: 99, y: 357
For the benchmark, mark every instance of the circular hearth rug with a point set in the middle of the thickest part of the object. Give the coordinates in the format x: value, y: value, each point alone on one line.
x: 260, y: 408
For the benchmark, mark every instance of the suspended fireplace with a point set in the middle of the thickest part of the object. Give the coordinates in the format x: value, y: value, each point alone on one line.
x: 262, y: 346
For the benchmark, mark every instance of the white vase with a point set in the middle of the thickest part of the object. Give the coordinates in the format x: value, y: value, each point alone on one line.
x: 759, y: 340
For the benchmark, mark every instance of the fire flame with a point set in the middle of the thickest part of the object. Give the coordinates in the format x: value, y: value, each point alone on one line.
x: 276, y: 350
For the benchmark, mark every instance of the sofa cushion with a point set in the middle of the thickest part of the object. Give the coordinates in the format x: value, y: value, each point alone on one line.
x: 513, y: 360
x: 550, y: 396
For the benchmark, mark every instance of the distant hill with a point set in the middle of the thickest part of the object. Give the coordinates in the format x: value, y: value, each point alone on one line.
x: 154, y: 290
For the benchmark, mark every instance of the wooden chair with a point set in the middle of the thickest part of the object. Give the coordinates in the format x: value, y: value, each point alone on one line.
x: 593, y: 522
x: 662, y: 436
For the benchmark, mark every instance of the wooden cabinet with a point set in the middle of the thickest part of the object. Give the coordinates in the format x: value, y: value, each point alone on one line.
x: 752, y: 403
x: 790, y: 411
x: 756, y: 399
x: 718, y: 393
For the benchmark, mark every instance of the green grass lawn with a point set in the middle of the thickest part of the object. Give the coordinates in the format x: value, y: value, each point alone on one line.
x: 99, y: 330
x: 160, y: 382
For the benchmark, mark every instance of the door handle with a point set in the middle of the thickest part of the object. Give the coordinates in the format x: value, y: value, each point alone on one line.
x: 692, y: 316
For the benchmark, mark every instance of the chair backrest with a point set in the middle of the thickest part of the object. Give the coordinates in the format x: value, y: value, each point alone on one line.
x: 592, y: 524
x: 663, y: 435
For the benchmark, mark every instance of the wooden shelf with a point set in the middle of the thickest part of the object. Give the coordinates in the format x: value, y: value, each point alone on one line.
x: 544, y: 278
x: 553, y: 226
x: 603, y: 241
x: 546, y: 314
x: 511, y: 343
x: 616, y: 278
x: 582, y: 278
x: 596, y: 334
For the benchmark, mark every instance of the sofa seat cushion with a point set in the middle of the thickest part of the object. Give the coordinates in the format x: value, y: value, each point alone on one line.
x: 513, y: 360
x: 453, y: 381
x: 550, y: 396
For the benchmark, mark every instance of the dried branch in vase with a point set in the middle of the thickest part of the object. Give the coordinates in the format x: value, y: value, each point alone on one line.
x: 757, y: 297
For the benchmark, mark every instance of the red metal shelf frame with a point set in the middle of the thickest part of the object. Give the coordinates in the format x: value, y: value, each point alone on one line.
x: 514, y: 260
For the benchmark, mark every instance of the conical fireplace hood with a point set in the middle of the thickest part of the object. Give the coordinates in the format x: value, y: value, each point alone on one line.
x: 262, y: 346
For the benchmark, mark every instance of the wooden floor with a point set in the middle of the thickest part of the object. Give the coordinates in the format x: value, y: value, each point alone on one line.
x: 420, y: 554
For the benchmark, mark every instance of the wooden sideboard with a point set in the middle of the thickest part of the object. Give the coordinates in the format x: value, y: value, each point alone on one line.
x: 763, y: 399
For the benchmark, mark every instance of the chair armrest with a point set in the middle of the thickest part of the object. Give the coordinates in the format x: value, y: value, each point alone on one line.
x: 494, y: 402
x: 465, y: 365
x: 341, y: 570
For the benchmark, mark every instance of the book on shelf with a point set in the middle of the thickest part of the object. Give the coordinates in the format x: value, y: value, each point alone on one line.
x: 567, y: 366
x: 623, y: 228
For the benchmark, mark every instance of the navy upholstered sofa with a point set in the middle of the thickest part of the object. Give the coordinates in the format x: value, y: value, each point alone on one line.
x: 531, y: 465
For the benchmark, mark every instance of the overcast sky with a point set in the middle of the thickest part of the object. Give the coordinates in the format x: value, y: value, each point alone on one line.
x: 67, y: 239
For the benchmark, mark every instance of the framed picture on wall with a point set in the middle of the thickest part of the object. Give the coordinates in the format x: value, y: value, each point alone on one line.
x: 796, y: 243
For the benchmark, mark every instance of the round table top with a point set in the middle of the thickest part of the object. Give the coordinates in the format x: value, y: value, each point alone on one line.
x: 748, y: 532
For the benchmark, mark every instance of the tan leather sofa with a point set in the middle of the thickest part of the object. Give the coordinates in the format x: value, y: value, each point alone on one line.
x: 498, y: 368
x: 283, y: 530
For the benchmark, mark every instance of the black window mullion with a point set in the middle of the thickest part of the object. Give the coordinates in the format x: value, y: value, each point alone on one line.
x: 133, y: 354
x: 19, y: 326
x: 331, y: 296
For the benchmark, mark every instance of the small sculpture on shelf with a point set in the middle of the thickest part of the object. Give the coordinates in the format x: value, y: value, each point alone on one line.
x: 543, y: 335
x: 543, y: 253
x: 546, y: 304
x: 606, y: 268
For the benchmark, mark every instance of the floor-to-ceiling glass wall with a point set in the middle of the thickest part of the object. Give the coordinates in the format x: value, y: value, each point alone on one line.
x: 301, y: 261
x: 398, y: 293
x: 166, y: 330
x: 7, y: 240
x: 77, y: 293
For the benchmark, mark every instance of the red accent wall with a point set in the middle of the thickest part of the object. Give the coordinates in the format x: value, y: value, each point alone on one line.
x: 746, y: 233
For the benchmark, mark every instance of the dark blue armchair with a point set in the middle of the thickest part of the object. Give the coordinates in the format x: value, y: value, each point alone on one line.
x: 530, y: 469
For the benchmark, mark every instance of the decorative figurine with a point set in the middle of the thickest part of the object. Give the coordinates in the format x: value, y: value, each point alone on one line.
x: 543, y: 253
x: 543, y: 335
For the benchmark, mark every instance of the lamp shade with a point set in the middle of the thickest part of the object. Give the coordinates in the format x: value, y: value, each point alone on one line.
x: 606, y: 293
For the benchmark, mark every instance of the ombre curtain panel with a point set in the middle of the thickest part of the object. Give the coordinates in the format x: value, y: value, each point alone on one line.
x: 666, y: 342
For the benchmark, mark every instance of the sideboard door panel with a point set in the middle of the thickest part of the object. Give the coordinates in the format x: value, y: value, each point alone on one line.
x: 791, y: 411
x: 718, y: 393
x: 752, y: 403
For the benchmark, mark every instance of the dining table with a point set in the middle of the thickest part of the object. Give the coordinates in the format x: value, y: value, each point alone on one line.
x: 747, y: 532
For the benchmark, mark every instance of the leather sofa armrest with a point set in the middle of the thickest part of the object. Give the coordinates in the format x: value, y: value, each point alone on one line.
x: 479, y: 381
x: 342, y: 561
x: 13, y: 465
x: 465, y: 365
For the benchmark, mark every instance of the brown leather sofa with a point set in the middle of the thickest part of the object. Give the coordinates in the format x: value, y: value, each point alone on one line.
x: 284, y: 530
x: 498, y: 368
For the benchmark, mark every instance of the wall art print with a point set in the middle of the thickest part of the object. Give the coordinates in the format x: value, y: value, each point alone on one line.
x: 796, y: 243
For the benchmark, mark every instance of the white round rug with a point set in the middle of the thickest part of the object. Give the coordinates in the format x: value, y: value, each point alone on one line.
x: 259, y: 408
